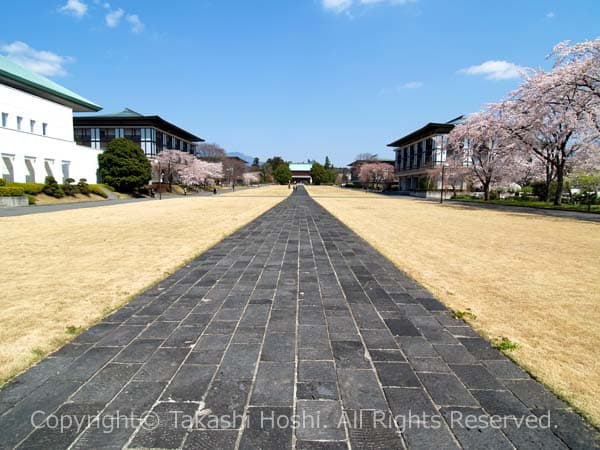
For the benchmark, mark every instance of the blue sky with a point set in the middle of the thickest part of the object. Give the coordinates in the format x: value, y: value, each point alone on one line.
x: 296, y: 78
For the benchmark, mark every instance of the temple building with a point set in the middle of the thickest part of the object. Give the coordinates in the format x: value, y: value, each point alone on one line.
x: 152, y: 133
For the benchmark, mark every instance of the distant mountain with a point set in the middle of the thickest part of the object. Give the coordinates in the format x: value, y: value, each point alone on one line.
x: 243, y: 156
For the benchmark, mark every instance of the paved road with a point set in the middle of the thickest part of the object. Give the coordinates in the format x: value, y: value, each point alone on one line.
x: 37, y: 209
x: 292, y: 319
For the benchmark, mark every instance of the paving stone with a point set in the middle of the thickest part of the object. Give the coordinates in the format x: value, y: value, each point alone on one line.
x: 211, y: 440
x: 138, y: 351
x: 248, y: 335
x: 408, y: 402
x: 570, y: 428
x: 396, y: 374
x: 109, y: 433
x: 387, y: 355
x: 221, y: 327
x: 471, y: 428
x: 350, y: 355
x: 87, y: 364
x: 159, y: 330
x: 106, y: 384
x: 321, y: 445
x: 316, y: 371
x: 269, y: 428
x: 502, y: 403
x: 373, y: 430
x: 278, y: 347
x: 172, y: 426
x: 446, y: 390
x: 239, y: 362
x: 317, y: 390
x: 274, y: 385
x: 315, y: 354
x: 360, y: 390
x: 455, y: 354
x: 227, y: 399
x: 534, y: 395
x: 379, y: 339
x: 184, y: 337
x: 49, y: 436
x: 206, y: 357
x: 475, y: 377
x: 481, y: 349
x: 320, y: 420
x: 505, y: 370
x: 190, y: 383
x: 135, y: 399
x: 429, y: 365
x: 212, y: 342
x: 162, y: 365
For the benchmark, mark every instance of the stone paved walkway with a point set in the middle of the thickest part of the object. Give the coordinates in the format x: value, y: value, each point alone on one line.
x: 292, y: 317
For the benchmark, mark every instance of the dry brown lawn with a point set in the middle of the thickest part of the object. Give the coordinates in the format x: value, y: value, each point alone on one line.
x: 533, y: 279
x: 73, y: 267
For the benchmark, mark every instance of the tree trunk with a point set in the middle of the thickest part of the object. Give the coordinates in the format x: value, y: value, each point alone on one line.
x: 560, y: 181
x: 486, y: 191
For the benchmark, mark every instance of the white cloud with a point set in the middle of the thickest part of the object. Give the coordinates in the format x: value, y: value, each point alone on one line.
x: 38, y: 61
x: 337, y: 5
x: 344, y: 5
x: 76, y: 8
x: 137, y: 25
x: 114, y: 17
x: 496, y: 70
x: 550, y: 15
x: 412, y: 85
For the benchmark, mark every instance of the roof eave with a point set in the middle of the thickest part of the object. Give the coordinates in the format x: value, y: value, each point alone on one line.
x: 78, y: 105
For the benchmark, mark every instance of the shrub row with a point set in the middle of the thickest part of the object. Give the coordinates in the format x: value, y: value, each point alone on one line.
x: 10, y: 191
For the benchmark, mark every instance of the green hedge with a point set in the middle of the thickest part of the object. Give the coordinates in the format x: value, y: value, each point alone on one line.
x: 95, y: 189
x: 28, y: 188
x: 11, y: 191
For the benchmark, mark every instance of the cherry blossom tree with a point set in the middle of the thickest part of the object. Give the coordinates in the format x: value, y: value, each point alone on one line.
x: 483, y: 149
x: 181, y: 167
x: 376, y: 174
x: 251, y: 177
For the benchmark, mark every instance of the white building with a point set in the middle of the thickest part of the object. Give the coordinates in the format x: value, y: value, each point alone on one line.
x: 36, y: 129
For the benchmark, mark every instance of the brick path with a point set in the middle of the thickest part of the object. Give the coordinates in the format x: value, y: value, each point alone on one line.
x: 292, y: 317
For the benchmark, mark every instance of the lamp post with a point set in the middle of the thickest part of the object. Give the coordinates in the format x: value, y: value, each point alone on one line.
x: 443, y: 178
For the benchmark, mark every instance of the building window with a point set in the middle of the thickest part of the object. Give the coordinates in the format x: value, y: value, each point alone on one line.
x: 32, y: 126
x: 48, y: 163
x: 65, y: 170
x: 29, y: 165
x: 19, y: 122
x: 45, y: 129
x: 8, y: 172
x: 4, y: 119
x: 83, y: 136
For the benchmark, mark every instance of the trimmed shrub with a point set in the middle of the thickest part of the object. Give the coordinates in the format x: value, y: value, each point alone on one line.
x: 2, y: 182
x: 124, y: 166
x: 83, y: 187
x: 31, y: 199
x: 9, y: 191
x: 52, y: 188
x: 68, y: 188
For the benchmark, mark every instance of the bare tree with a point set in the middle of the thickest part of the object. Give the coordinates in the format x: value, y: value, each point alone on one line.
x: 210, y: 152
x: 233, y: 169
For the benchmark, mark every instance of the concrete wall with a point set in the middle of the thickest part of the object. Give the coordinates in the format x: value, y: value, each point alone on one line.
x: 27, y: 156
x: 8, y: 202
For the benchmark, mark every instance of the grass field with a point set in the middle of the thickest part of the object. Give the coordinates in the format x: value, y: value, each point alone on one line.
x: 530, y: 278
x: 70, y: 268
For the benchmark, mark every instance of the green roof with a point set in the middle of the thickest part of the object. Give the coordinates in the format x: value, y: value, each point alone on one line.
x: 300, y: 167
x: 14, y: 75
